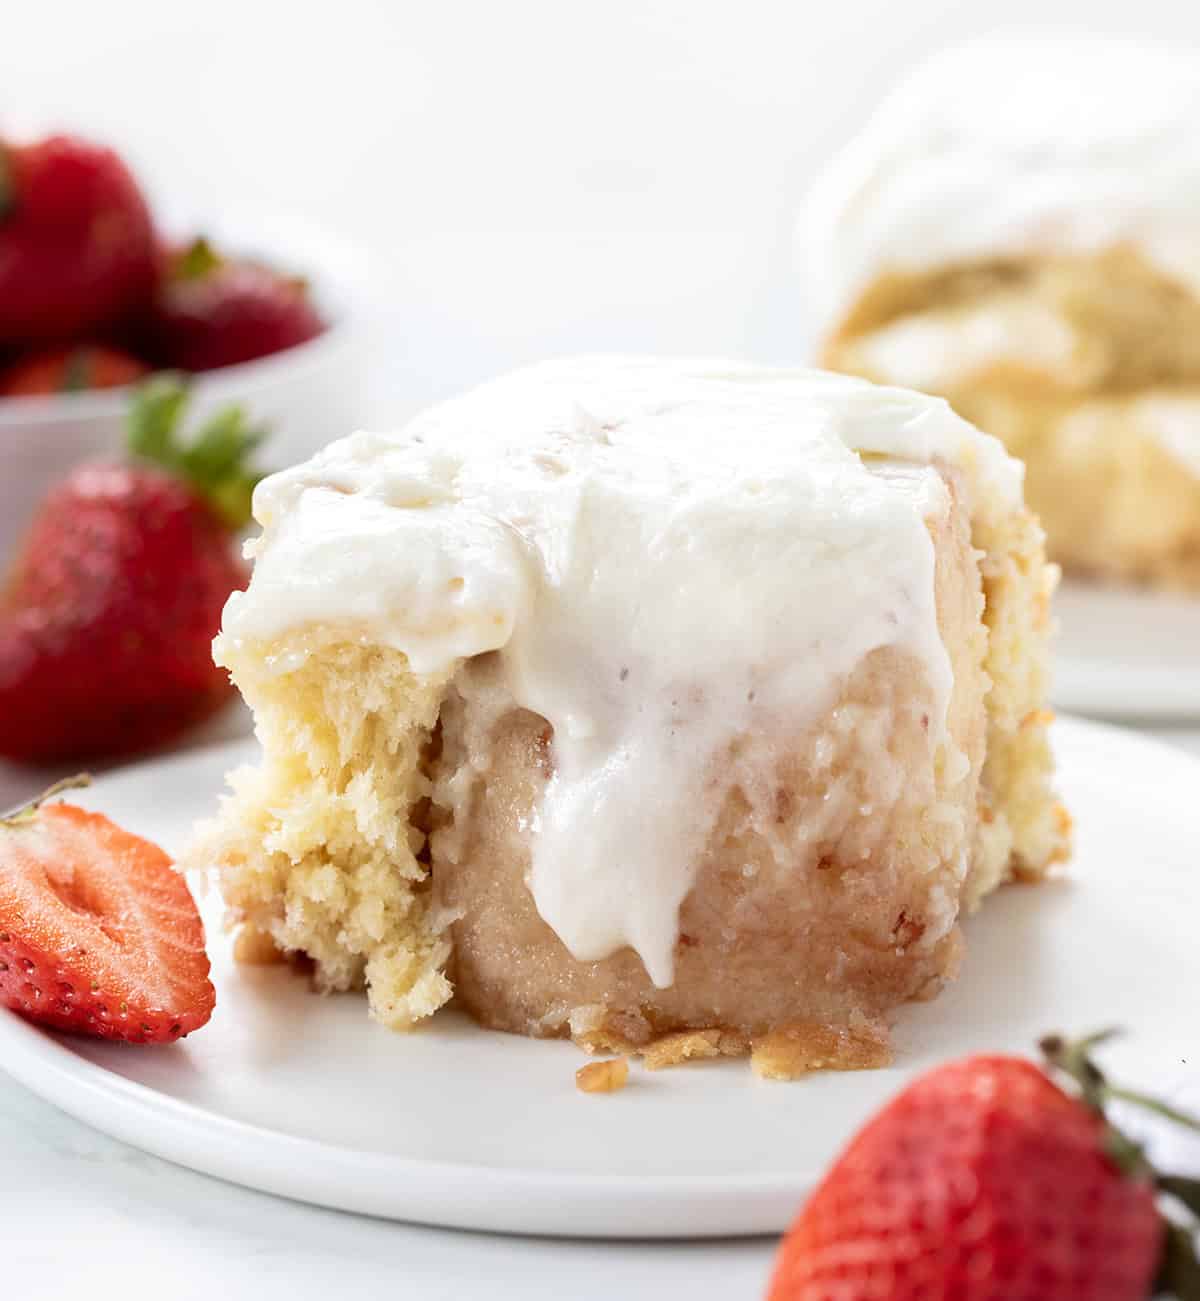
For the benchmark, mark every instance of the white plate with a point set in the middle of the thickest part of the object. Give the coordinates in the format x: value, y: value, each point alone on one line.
x: 457, y: 1126
x: 1124, y: 653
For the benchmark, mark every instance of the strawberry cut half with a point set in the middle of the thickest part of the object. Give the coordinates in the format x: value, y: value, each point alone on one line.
x: 99, y: 933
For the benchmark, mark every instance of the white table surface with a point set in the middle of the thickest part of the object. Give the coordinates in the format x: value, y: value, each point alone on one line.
x: 84, y: 1215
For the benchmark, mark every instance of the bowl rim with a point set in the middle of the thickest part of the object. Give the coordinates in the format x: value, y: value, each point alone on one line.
x: 243, y: 378
x: 337, y: 279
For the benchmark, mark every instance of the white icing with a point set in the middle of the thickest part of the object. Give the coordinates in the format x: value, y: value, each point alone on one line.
x: 1011, y: 146
x: 665, y: 555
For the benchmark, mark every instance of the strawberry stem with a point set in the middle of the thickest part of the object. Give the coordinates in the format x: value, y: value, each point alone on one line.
x: 1179, y: 1270
x: 214, y: 461
x: 1147, y: 1103
x: 1072, y: 1057
x: 1182, y: 1189
x: 76, y: 375
x: 1179, y: 1273
x: 27, y: 812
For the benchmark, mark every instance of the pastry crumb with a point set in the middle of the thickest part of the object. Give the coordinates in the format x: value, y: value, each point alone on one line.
x: 693, y: 1045
x: 597, y: 1030
x: 797, y: 1050
x: 603, y: 1077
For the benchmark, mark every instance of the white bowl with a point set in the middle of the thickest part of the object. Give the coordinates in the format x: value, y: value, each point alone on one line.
x: 305, y: 395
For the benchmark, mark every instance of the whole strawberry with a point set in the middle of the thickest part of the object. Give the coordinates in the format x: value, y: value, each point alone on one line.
x: 107, y: 623
x: 98, y: 932
x: 985, y: 1181
x: 72, y: 369
x: 77, y: 246
x: 215, y: 311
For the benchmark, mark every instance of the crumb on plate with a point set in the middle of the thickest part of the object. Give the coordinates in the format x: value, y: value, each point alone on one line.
x: 603, y: 1077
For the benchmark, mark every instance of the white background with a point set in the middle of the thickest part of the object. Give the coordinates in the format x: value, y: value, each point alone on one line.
x: 523, y: 178
x: 526, y: 177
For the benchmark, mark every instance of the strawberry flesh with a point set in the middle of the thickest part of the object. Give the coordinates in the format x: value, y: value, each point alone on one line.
x: 98, y: 933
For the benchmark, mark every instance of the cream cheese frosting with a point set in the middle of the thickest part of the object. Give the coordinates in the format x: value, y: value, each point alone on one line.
x: 663, y: 555
x: 1012, y: 146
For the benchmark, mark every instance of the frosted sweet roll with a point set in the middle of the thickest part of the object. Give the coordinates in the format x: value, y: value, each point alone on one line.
x: 1017, y: 230
x: 680, y: 707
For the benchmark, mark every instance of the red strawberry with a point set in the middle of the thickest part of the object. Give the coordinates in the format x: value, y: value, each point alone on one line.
x: 71, y: 370
x: 107, y: 624
x: 215, y: 312
x: 98, y: 932
x: 984, y: 1181
x: 77, y: 246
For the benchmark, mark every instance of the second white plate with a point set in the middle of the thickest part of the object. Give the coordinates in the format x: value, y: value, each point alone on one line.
x: 453, y: 1125
x: 1124, y: 653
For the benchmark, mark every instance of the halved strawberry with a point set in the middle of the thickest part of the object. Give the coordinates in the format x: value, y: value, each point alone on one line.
x: 98, y: 932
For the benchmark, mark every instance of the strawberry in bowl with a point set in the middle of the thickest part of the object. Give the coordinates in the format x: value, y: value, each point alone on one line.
x: 213, y: 310
x: 77, y: 244
x: 72, y: 369
x: 94, y: 295
x: 80, y: 263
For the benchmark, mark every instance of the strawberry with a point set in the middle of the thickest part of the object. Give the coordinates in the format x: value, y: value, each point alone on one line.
x: 77, y: 246
x: 107, y: 623
x: 98, y: 932
x: 985, y: 1181
x: 71, y: 370
x: 214, y: 311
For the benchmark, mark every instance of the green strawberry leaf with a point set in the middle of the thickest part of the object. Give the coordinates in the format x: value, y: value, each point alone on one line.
x: 221, y: 445
x: 1183, y: 1189
x: 1173, y: 1114
x: 154, y: 415
x: 197, y: 260
x: 1179, y: 1268
x: 215, y: 461
x: 1179, y: 1271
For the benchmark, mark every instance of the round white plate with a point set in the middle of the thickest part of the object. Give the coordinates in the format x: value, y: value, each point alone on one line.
x: 1124, y: 653
x: 453, y: 1125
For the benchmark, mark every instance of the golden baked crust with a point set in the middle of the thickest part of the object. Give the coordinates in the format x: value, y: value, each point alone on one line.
x: 797, y: 1050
